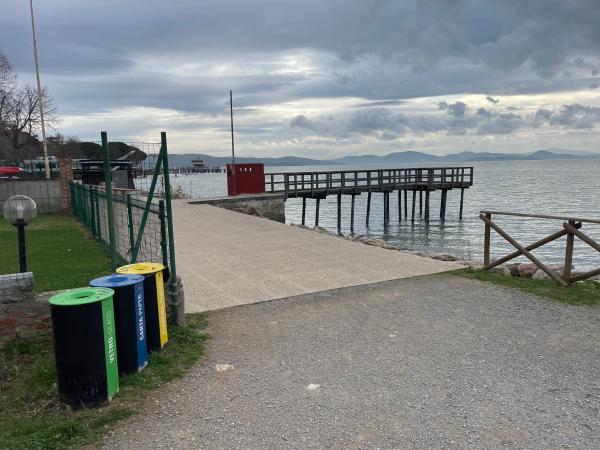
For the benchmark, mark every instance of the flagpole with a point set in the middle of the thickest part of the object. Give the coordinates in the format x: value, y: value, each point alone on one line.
x: 231, y: 112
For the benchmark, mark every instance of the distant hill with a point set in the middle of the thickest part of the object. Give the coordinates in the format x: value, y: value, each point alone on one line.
x: 406, y: 157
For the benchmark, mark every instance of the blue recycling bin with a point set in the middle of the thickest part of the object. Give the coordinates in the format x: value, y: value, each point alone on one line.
x: 130, y: 319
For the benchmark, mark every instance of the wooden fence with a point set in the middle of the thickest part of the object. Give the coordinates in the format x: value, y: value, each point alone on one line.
x: 571, y: 228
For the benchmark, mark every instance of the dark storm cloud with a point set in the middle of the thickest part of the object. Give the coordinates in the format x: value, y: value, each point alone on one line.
x: 186, y: 55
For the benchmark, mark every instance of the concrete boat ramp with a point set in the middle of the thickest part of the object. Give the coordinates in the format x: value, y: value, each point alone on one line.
x: 227, y: 258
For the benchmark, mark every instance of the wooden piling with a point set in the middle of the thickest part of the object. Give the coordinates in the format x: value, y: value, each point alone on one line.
x: 405, y: 204
x: 420, y: 203
x: 303, y: 210
x: 427, y: 206
x: 414, y: 203
x: 339, y: 213
x: 462, y: 198
x: 399, y: 205
x: 368, y: 207
x: 386, y: 208
x: 317, y: 212
x: 443, y: 204
x: 352, y: 215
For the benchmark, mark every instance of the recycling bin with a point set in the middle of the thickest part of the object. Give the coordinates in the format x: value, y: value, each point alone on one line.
x: 85, y: 346
x: 154, y: 301
x: 130, y: 322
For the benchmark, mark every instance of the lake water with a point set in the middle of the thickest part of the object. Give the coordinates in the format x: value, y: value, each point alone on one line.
x: 567, y: 187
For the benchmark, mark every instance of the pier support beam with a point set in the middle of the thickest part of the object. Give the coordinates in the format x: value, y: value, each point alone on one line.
x: 462, y: 198
x: 405, y: 204
x: 386, y: 208
x: 427, y: 206
x: 352, y: 214
x: 420, y: 203
x: 414, y: 203
x: 399, y: 205
x: 303, y: 210
x: 317, y: 212
x: 443, y: 204
x: 368, y: 207
x: 339, y: 213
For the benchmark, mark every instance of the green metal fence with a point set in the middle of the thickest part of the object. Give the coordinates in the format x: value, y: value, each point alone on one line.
x: 134, y: 225
x: 90, y: 206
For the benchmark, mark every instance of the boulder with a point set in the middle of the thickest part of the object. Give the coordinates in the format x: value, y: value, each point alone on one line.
x: 444, y: 257
x: 501, y: 270
x: 514, y: 269
x: 540, y: 275
x: 527, y: 270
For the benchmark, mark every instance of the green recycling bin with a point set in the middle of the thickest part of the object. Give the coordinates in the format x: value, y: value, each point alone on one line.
x: 154, y: 301
x: 85, y: 346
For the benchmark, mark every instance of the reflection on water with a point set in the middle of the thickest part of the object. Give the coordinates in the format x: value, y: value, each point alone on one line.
x: 543, y: 187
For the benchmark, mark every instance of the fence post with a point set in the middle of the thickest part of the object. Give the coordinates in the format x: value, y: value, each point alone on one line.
x: 486, y: 241
x: 569, y: 254
x: 163, y: 232
x: 92, y: 212
x: 130, y: 226
x: 109, y: 203
x: 98, y: 220
x: 177, y: 313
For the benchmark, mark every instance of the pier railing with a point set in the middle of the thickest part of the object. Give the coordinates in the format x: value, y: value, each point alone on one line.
x: 297, y: 184
x: 571, y: 228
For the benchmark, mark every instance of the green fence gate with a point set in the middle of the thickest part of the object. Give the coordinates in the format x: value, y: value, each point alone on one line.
x: 134, y: 225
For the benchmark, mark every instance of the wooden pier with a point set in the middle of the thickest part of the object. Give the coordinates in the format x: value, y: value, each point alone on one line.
x: 421, y: 181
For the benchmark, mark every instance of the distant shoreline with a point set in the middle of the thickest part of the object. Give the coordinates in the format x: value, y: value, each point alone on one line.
x: 400, y: 158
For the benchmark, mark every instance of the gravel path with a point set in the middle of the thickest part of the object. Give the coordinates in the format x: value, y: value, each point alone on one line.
x: 437, y: 361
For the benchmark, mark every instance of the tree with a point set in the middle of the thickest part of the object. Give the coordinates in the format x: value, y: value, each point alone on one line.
x: 7, y: 77
x: 20, y: 120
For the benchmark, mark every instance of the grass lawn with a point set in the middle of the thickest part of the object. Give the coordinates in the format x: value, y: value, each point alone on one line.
x: 31, y: 417
x: 60, y: 252
x: 581, y: 293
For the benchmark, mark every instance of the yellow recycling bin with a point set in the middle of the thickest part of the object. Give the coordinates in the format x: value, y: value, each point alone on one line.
x: 154, y: 301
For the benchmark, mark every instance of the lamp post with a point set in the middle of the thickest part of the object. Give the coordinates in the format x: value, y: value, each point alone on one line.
x: 20, y: 210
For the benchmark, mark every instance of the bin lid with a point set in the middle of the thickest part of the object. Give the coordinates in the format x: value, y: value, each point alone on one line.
x: 116, y: 280
x: 81, y: 296
x: 143, y: 268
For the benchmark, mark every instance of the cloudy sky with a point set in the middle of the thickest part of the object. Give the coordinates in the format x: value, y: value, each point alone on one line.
x: 319, y: 78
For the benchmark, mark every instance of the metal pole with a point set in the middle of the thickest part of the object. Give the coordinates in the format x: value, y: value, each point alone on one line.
x: 40, y: 96
x: 175, y: 302
x: 231, y: 113
x: 130, y: 226
x: 22, y: 250
x: 163, y: 232
x: 109, y: 204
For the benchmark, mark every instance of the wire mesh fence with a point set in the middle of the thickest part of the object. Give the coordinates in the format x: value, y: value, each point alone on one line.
x: 132, y: 218
x: 90, y: 206
x: 59, y: 251
x: 70, y: 243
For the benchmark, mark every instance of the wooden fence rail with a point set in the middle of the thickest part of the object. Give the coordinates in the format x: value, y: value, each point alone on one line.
x: 570, y: 228
x: 300, y: 184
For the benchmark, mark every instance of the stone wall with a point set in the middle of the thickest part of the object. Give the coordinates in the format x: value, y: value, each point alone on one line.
x: 22, y: 312
x: 261, y: 205
x: 45, y: 193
